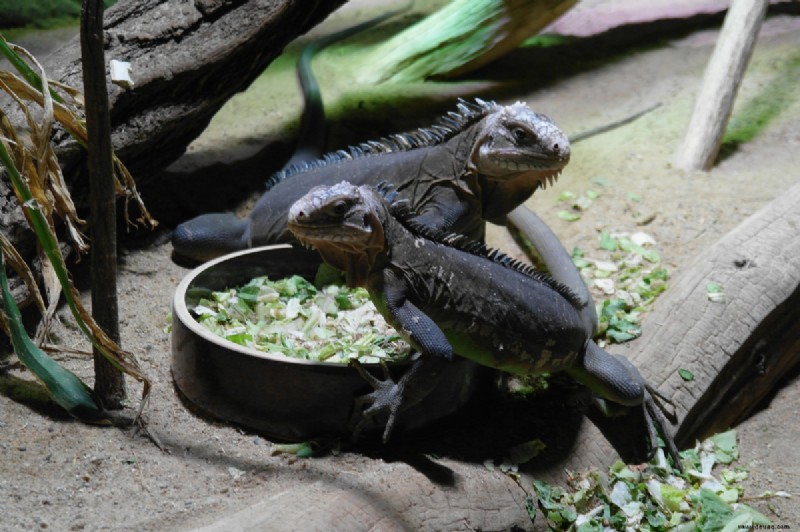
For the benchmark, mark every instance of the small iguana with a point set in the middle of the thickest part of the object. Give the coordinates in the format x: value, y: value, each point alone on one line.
x: 451, y: 296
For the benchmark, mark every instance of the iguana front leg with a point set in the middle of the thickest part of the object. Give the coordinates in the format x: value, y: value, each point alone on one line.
x: 393, y: 397
x: 423, y: 334
x: 615, y: 378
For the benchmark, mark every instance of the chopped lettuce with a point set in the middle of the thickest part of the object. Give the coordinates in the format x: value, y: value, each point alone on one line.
x: 292, y: 317
x: 655, y: 496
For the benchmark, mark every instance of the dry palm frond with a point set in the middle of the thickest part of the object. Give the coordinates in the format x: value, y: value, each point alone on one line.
x: 38, y: 183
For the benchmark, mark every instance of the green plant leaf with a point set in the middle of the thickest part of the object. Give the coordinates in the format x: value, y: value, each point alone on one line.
x: 714, y: 512
x: 726, y: 446
x: 66, y: 389
x: 22, y: 67
x: 607, y: 242
x: 715, y: 293
x: 569, y: 216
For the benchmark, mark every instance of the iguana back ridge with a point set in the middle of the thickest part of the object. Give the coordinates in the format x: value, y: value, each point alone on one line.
x: 445, y: 127
x: 403, y: 214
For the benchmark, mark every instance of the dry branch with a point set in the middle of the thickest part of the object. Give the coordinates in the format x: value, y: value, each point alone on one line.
x: 720, y: 84
x: 109, y: 381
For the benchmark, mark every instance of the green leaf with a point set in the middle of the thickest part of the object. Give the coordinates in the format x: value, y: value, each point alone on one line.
x: 732, y: 476
x: 544, y: 492
x: 66, y: 389
x: 714, y: 512
x: 568, y: 216
x: 301, y: 449
x: 601, y: 181
x: 631, y: 247
x: 607, y: 242
x: 327, y: 275
x: 526, y: 451
x: 672, y: 497
x: 622, y: 336
x: 686, y: 374
x: 757, y: 517
x: 240, y: 338
x: 566, y: 196
x: 22, y: 67
x: 726, y: 446
x: 715, y: 293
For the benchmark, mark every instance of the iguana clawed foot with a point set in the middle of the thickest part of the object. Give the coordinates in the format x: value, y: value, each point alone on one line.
x: 656, y: 415
x: 390, y: 397
x: 386, y: 398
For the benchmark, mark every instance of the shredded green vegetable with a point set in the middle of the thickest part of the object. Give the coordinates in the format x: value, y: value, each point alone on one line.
x: 293, y: 318
x: 707, y: 496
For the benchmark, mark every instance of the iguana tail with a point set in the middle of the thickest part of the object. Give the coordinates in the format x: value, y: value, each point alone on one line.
x: 557, y: 260
x: 311, y: 137
x: 210, y: 235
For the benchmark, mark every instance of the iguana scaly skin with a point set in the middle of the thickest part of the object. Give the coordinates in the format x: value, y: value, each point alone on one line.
x: 451, y: 296
x: 475, y: 164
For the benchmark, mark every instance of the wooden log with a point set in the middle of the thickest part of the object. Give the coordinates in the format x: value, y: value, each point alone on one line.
x: 188, y: 59
x: 736, y: 349
x: 450, y: 495
x: 721, y: 81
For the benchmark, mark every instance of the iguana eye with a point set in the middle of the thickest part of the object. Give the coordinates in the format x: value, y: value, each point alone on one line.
x: 520, y: 134
x: 339, y: 208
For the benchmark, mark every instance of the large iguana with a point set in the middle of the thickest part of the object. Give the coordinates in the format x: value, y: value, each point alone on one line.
x: 475, y: 197
x: 452, y: 296
x: 474, y: 164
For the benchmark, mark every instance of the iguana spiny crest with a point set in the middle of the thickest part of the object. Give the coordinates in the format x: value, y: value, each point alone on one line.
x: 345, y: 220
x: 509, y: 142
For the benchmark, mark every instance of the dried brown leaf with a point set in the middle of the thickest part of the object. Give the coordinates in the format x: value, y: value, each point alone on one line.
x: 22, y: 269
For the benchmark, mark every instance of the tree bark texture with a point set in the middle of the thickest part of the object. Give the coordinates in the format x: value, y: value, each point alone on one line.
x: 441, y: 495
x: 188, y: 58
x: 737, y: 349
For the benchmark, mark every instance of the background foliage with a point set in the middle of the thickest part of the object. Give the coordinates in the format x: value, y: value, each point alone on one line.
x: 40, y: 13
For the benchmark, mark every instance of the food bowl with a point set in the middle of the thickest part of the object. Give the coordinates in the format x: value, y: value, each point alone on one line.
x: 282, y: 397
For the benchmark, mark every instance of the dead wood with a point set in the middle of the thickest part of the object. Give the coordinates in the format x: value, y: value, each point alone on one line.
x: 737, y: 350
x: 720, y: 84
x: 393, y: 497
x: 188, y: 59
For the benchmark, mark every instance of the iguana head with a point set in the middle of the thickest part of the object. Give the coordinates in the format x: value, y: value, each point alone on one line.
x: 345, y: 224
x: 515, y: 142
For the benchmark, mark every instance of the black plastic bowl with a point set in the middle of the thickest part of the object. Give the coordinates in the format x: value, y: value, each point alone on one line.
x: 282, y: 397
